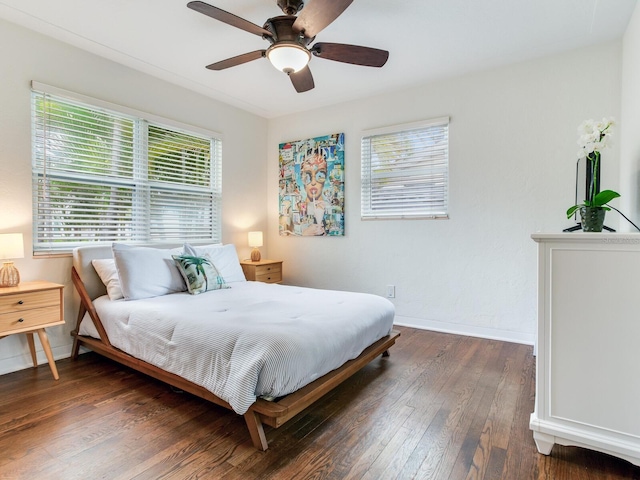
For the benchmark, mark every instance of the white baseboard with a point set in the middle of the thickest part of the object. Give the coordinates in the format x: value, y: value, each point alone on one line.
x: 469, y: 330
x: 20, y: 362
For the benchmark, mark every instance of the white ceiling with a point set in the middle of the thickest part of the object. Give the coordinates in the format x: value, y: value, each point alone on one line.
x: 427, y: 40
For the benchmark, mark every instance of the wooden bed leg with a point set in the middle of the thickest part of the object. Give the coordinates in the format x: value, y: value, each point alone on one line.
x: 385, y: 353
x: 256, y: 430
x: 75, y: 349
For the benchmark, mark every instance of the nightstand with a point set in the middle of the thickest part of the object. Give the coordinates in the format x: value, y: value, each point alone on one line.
x: 268, y: 271
x: 29, y: 308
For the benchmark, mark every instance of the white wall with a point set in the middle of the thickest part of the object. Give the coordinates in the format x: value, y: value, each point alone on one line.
x: 513, y: 133
x: 28, y: 56
x: 513, y: 150
x: 630, y: 123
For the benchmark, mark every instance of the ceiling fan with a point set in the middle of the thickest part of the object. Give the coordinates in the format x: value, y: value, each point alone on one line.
x: 290, y: 36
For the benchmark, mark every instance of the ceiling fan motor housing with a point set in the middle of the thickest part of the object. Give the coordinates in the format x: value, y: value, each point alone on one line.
x: 281, y: 29
x: 290, y: 7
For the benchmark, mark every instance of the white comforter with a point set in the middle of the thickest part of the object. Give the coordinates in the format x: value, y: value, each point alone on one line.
x: 254, y: 339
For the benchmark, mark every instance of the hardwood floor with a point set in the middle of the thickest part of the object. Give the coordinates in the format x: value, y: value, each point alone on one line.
x: 440, y: 407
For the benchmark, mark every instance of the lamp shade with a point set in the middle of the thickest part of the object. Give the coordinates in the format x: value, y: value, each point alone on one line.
x: 255, y: 239
x: 11, y: 246
x: 288, y: 57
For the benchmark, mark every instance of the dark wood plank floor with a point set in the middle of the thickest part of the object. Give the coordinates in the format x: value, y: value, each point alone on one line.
x: 440, y: 407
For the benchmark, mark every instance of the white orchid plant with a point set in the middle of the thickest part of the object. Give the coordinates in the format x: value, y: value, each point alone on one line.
x: 593, y: 138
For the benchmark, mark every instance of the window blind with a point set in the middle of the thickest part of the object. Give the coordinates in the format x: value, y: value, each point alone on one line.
x: 101, y: 176
x: 405, y: 171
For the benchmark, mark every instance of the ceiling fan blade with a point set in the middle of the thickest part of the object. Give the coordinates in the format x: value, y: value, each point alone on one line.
x: 239, y: 60
x: 316, y: 15
x: 354, y: 54
x: 228, y: 18
x: 302, y: 80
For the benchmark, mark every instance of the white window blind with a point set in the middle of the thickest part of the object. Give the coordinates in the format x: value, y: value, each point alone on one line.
x: 100, y: 175
x: 405, y: 171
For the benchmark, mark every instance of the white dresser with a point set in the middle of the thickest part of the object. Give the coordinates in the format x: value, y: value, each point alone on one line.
x: 588, y: 351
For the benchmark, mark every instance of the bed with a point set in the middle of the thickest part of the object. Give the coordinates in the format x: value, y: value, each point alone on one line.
x: 265, y: 351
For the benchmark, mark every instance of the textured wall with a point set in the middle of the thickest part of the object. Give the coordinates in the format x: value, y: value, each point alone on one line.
x: 512, y: 163
x: 28, y: 56
x: 513, y: 133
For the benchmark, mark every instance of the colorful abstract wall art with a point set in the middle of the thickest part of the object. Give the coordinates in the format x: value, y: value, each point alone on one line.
x: 312, y: 186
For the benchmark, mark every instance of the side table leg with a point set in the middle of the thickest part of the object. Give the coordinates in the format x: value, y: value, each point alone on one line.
x: 32, y: 348
x: 47, y: 350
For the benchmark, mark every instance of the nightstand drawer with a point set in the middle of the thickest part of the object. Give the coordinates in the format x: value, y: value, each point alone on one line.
x: 31, y: 318
x: 269, y: 277
x: 267, y: 271
x: 29, y: 308
x: 19, y: 302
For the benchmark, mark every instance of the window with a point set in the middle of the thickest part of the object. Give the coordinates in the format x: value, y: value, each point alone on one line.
x: 405, y: 171
x: 103, y: 173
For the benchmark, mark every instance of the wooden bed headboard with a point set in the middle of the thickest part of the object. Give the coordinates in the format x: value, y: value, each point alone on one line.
x: 82, y: 257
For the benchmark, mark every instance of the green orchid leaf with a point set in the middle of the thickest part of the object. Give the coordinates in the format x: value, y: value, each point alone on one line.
x: 572, y: 210
x: 603, y: 197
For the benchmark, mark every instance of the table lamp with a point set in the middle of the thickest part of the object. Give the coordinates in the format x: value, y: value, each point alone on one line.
x: 11, y: 246
x: 255, y: 241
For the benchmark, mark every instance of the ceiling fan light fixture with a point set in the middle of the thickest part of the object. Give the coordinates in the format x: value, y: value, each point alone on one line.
x: 288, y: 57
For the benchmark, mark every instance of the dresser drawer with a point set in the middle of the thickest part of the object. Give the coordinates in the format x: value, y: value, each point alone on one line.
x: 29, y: 318
x: 19, y: 302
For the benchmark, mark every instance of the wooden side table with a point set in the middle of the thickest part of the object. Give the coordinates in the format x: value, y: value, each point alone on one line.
x: 268, y: 271
x: 31, y: 307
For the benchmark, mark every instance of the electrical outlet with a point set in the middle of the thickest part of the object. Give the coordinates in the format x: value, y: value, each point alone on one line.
x: 391, y: 291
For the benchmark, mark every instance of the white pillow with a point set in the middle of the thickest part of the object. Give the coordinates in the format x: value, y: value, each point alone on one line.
x: 106, y: 270
x: 147, y: 272
x: 224, y: 257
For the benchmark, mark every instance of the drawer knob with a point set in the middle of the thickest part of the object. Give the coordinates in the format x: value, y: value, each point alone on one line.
x: 20, y: 302
x: 20, y: 320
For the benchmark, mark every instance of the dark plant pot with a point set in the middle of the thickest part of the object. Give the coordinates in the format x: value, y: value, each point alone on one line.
x: 592, y: 218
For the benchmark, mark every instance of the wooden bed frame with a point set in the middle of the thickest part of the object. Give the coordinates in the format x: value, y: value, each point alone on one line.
x: 261, y: 413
